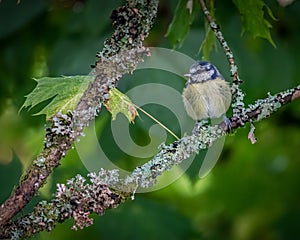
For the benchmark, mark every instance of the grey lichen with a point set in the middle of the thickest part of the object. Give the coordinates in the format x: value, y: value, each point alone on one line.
x: 107, y: 73
x: 78, y: 198
x: 173, y: 154
x: 61, y: 127
x: 203, y: 136
x: 263, y: 108
x: 40, y: 161
x: 238, y: 106
x: 120, y: 55
x: 133, y: 23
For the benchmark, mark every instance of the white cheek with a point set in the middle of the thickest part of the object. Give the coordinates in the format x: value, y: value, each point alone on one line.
x: 193, y: 70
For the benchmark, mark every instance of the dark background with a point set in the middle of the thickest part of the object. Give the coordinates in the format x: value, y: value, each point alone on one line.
x: 252, y: 193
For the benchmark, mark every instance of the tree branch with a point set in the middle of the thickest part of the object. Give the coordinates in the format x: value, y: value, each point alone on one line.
x: 79, y: 198
x: 133, y: 22
x: 237, y: 93
x: 203, y: 136
x: 76, y: 199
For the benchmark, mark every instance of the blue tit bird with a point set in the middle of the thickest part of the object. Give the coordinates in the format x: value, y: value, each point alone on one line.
x: 206, y: 94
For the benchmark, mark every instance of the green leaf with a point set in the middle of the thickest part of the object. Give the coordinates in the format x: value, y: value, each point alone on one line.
x: 252, y: 16
x: 271, y: 13
x: 181, y: 22
x: 209, y: 42
x: 65, y: 91
x: 120, y: 103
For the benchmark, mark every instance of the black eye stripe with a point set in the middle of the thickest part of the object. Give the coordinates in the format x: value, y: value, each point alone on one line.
x: 202, y: 72
x: 198, y: 71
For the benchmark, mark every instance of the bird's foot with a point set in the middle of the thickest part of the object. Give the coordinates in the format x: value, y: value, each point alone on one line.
x: 227, y: 123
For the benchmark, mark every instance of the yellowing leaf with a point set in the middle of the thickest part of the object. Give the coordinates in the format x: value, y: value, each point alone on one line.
x: 65, y: 91
x: 120, y: 103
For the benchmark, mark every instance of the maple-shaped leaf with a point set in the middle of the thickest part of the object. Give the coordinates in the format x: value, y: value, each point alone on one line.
x: 120, y: 103
x: 65, y: 91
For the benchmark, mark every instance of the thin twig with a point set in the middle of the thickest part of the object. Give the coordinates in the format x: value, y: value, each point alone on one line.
x: 83, y: 200
x: 237, y: 94
x: 204, y: 136
x: 79, y: 207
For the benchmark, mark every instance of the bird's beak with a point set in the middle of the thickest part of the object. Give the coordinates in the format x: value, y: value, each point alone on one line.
x: 187, y: 75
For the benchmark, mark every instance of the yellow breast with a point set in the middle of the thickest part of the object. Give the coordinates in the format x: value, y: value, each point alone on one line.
x: 210, y: 99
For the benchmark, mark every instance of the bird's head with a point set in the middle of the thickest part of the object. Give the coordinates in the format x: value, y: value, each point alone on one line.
x: 202, y: 72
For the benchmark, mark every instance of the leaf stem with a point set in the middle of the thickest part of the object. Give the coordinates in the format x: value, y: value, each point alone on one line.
x: 157, y: 121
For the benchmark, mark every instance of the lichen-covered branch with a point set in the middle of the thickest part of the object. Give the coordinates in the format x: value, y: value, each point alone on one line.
x: 237, y: 93
x: 79, y: 198
x: 120, y: 55
x: 203, y: 136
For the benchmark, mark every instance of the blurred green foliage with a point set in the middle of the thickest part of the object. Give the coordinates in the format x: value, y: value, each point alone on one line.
x: 253, y: 20
x: 253, y: 191
x: 182, y: 20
